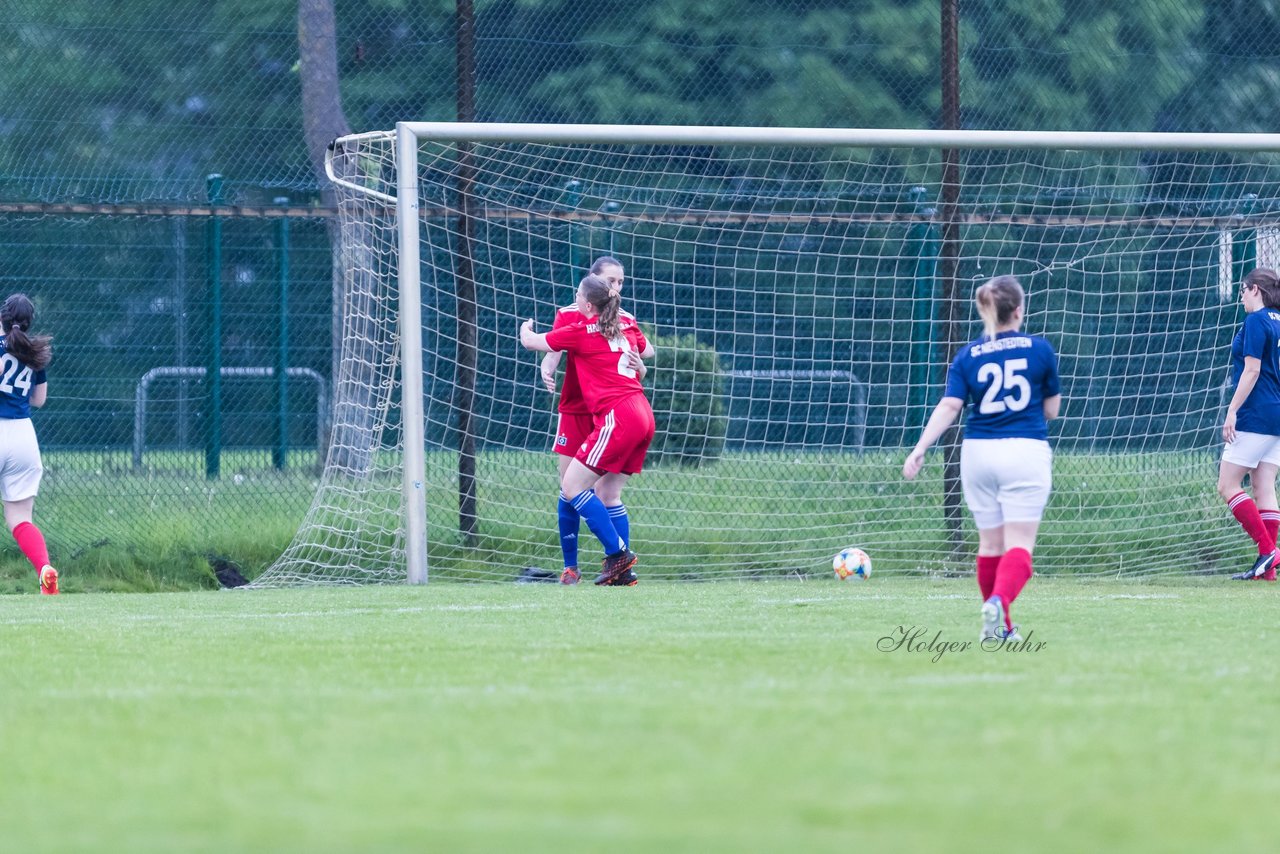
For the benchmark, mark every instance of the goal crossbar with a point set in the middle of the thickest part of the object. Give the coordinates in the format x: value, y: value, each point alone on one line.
x: 831, y: 137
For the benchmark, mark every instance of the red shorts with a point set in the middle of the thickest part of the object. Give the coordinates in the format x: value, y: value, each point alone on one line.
x: 620, y: 437
x: 571, y: 431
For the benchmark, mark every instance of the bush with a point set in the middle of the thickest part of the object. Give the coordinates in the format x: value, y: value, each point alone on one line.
x: 686, y: 386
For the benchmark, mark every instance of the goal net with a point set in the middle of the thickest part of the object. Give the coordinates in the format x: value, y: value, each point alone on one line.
x: 805, y: 291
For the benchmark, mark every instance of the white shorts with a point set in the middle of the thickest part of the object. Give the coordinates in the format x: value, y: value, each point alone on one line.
x: 1249, y: 449
x: 20, y: 468
x: 1005, y: 480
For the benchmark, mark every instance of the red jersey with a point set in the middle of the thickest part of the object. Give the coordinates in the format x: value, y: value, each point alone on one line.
x: 571, y: 401
x: 601, y: 364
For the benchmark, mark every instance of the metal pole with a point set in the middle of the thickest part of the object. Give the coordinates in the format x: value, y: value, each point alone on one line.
x: 951, y: 496
x: 280, y: 456
x: 413, y: 427
x: 213, y: 377
x: 464, y: 393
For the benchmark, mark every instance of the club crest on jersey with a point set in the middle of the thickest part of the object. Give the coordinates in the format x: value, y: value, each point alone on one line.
x: 562, y: 440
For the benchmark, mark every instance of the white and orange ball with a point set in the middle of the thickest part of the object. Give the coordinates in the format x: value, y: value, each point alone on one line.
x: 852, y: 563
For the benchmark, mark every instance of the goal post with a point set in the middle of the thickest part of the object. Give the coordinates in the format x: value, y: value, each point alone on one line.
x: 790, y: 278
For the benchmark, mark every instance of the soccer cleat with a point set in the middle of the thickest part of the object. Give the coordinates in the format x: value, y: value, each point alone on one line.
x: 570, y: 575
x: 627, y: 579
x: 992, y: 619
x: 615, y: 566
x: 1010, y: 634
x: 1261, y: 567
x: 49, y: 581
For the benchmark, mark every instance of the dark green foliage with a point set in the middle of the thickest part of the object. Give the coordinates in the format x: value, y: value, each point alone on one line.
x: 686, y: 385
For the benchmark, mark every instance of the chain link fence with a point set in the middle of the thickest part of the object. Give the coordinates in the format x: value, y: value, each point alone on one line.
x: 193, y: 329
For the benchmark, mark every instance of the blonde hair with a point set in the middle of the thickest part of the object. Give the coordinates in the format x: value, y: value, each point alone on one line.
x: 997, y: 300
x: 607, y: 302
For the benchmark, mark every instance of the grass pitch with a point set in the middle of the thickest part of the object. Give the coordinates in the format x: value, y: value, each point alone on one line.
x: 668, y: 717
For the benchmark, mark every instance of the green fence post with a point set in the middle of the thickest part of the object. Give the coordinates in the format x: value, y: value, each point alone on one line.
x: 573, y: 198
x: 280, y: 456
x: 213, y: 374
x: 922, y: 239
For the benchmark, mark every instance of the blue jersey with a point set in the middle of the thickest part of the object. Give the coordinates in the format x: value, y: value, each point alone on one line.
x: 1006, y: 380
x: 16, y: 383
x: 1259, y: 337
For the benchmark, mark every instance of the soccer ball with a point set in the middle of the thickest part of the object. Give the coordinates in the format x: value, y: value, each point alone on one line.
x: 851, y: 563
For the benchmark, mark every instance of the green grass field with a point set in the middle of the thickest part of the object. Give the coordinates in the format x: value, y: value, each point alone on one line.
x: 667, y: 717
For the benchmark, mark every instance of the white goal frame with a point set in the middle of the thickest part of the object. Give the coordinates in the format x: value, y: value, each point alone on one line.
x: 408, y: 135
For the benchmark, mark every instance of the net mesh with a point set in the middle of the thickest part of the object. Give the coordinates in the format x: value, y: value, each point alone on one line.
x: 803, y: 323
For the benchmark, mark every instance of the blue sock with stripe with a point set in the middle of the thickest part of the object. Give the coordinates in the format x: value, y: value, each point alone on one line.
x: 568, y: 518
x: 593, y: 511
x: 621, y: 522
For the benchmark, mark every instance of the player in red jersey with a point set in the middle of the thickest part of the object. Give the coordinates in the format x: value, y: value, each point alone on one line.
x: 607, y: 347
x: 575, y: 424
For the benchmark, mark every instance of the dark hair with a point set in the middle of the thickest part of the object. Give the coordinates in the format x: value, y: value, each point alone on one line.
x: 997, y: 300
x: 16, y: 316
x: 607, y: 302
x: 605, y: 261
x: 1267, y: 283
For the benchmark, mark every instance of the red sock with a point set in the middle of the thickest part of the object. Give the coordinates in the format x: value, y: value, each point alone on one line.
x: 1246, y: 513
x: 1271, y: 521
x: 31, y: 541
x: 987, y: 574
x: 1011, y: 576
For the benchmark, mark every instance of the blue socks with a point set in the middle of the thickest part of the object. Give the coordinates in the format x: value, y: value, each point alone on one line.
x: 597, y: 518
x: 568, y: 518
x: 621, y: 523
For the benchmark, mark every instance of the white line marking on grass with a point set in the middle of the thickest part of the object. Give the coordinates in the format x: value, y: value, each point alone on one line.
x: 960, y: 678
x: 269, y: 615
x: 1139, y: 596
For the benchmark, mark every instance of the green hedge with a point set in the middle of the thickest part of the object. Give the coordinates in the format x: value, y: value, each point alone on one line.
x: 686, y: 385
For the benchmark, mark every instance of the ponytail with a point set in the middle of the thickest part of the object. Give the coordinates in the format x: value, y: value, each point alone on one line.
x: 997, y: 300
x: 16, y: 316
x: 607, y: 302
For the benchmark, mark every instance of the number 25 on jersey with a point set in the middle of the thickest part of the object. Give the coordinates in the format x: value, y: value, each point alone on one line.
x: 1007, y: 389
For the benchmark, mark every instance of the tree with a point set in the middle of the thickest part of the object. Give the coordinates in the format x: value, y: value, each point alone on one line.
x: 1074, y: 64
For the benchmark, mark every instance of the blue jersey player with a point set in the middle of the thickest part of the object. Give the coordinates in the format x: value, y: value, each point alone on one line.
x: 23, y: 359
x: 1251, y: 428
x: 1010, y: 382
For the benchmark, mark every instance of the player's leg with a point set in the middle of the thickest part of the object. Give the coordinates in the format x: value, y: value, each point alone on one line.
x: 17, y: 515
x: 609, y: 491
x: 578, y: 482
x: 571, y: 430
x: 19, y: 484
x: 1238, y: 459
x: 608, y: 449
x: 980, y: 482
x: 633, y: 433
x: 990, y: 550
x: 1263, y: 481
x: 1024, y: 469
x: 568, y: 524
x: 1015, y: 567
